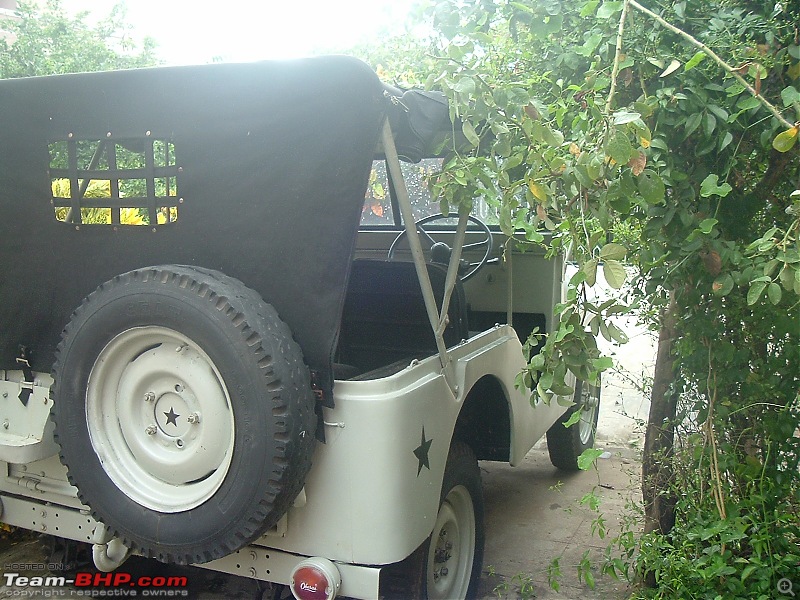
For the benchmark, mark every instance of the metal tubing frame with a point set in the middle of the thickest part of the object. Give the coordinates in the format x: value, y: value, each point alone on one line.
x: 437, y: 320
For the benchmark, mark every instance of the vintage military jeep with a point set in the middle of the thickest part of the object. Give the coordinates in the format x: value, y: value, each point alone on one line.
x: 230, y: 336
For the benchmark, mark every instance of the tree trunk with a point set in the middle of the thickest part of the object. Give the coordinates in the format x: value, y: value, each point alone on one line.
x: 659, y: 498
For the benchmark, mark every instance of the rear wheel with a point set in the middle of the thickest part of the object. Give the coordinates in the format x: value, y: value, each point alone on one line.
x: 566, y: 444
x: 448, y: 564
x: 184, y: 412
x: 455, y: 552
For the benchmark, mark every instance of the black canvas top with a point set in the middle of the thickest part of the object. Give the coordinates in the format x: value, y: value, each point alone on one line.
x: 271, y: 162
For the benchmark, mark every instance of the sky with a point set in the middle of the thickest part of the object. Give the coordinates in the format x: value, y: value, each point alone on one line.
x: 192, y: 32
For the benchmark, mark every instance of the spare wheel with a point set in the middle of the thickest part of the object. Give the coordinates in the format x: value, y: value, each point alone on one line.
x: 184, y: 412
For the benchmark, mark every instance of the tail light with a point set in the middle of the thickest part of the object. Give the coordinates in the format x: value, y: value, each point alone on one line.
x: 315, y: 579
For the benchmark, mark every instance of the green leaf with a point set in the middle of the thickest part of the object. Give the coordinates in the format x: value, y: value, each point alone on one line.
x: 721, y: 113
x: 470, y: 133
x: 587, y: 458
x: 617, y: 334
x: 725, y: 141
x: 710, y: 187
x: 709, y: 124
x: 707, y: 225
x: 623, y: 116
x: 774, y: 293
x: 574, y: 418
x: 609, y: 9
x: 553, y: 137
x: 723, y: 285
x: 651, y: 187
x: 603, y: 363
x: 619, y: 147
x: 785, y: 140
x: 694, y: 61
x: 692, y: 123
x: 748, y: 103
x: 614, y: 273
x: 673, y: 66
x: 465, y: 85
x: 644, y: 109
x: 754, y: 293
x: 589, y: 8
x: 613, y: 251
x: 790, y: 95
x: 590, y: 270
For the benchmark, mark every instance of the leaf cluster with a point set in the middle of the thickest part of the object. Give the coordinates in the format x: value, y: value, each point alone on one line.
x: 692, y: 162
x: 44, y: 40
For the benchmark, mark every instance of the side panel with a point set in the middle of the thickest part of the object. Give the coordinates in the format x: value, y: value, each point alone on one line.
x: 373, y: 492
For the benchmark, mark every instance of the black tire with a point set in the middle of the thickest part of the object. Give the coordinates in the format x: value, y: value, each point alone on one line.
x: 235, y: 349
x: 566, y: 444
x: 414, y: 577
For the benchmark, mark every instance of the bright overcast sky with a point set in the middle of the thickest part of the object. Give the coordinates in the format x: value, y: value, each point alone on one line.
x: 191, y: 31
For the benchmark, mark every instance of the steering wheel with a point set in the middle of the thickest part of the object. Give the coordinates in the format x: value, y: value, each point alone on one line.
x: 439, y: 252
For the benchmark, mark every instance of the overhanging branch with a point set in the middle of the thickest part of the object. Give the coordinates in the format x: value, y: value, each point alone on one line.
x: 709, y: 52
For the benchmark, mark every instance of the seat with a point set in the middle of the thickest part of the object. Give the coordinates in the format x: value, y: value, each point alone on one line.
x: 384, y: 319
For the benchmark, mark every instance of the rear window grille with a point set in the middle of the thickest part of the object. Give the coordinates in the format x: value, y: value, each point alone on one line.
x: 130, y: 181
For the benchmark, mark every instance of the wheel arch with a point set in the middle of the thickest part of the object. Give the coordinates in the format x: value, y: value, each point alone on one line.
x: 484, y: 421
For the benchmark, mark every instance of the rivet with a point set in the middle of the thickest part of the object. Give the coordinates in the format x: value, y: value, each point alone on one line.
x: 180, y: 200
x: 70, y: 135
x: 77, y: 227
x: 154, y: 229
x: 108, y: 135
x: 148, y: 133
x: 180, y: 169
x: 5, y: 394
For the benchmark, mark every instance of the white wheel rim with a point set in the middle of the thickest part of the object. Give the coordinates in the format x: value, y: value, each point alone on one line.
x: 452, y: 550
x: 160, y: 419
x: 588, y: 406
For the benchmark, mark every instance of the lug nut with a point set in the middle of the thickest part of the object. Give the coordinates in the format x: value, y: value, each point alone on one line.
x: 149, y: 397
x: 193, y: 418
x: 151, y: 430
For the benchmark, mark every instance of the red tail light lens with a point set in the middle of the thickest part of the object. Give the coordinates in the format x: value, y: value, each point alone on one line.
x: 315, y: 579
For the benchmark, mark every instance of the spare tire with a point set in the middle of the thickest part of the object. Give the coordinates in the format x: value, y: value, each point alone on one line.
x: 184, y: 412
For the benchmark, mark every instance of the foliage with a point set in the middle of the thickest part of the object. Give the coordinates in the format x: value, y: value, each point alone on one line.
x: 589, y: 117
x: 44, y: 40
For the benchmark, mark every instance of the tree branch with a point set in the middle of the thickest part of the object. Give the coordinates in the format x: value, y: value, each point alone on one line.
x: 709, y: 52
x: 617, y: 57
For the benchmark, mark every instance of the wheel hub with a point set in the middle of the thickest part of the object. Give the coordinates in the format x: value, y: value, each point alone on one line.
x: 171, y: 414
x: 160, y: 419
x: 452, y: 549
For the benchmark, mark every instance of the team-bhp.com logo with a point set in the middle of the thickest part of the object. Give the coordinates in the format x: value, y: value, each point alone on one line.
x: 103, y: 584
